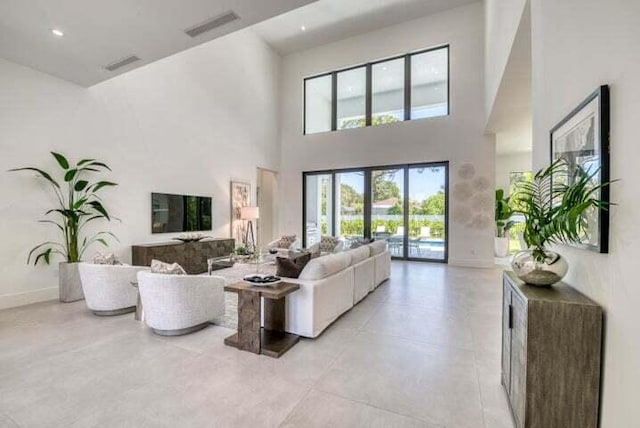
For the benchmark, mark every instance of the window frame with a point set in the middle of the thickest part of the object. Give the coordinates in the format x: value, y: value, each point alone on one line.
x: 304, y: 105
x: 367, y: 170
x: 334, y: 107
x: 369, y: 86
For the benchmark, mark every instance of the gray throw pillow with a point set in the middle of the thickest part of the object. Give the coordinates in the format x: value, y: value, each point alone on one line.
x: 168, y: 269
x: 291, y: 267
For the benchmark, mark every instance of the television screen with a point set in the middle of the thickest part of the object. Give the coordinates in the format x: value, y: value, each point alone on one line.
x: 180, y: 213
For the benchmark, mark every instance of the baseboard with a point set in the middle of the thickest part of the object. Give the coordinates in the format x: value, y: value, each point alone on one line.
x: 28, y: 297
x: 472, y: 263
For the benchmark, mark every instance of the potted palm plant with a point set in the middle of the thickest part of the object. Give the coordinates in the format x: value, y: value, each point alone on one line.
x: 78, y: 204
x: 555, y: 209
x: 503, y: 224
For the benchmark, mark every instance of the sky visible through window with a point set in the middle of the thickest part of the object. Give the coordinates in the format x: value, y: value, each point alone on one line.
x: 427, y: 183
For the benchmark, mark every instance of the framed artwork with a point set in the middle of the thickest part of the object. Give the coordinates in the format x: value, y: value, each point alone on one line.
x: 240, y: 197
x: 582, y: 139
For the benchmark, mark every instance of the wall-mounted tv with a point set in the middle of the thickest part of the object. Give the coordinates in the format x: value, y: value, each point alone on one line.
x: 180, y: 213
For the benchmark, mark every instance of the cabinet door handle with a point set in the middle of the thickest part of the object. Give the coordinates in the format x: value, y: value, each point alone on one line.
x: 510, y: 317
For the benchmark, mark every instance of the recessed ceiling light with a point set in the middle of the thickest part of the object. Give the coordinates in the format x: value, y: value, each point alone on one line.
x: 57, y: 32
x: 303, y: 28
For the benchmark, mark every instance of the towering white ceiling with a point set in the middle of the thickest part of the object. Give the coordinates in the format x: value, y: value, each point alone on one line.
x: 327, y: 21
x: 98, y: 32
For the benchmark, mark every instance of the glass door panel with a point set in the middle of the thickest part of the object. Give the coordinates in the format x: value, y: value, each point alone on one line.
x: 427, y: 212
x: 387, y: 208
x: 350, y: 205
x: 318, y: 207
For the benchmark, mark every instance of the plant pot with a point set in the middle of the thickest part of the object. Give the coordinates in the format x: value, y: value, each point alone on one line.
x: 501, y: 246
x: 70, y: 285
x: 540, y: 273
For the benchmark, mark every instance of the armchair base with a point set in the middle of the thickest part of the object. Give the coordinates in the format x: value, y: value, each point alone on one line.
x: 180, y: 331
x: 115, y: 312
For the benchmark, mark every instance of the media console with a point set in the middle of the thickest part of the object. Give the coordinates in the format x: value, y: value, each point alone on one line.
x: 192, y: 256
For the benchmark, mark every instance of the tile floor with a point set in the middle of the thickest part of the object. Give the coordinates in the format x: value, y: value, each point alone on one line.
x: 423, y: 350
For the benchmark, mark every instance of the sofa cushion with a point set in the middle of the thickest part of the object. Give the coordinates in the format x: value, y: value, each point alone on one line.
x: 325, y: 266
x: 360, y: 242
x: 359, y: 254
x: 168, y: 269
x: 291, y: 267
x: 378, y: 247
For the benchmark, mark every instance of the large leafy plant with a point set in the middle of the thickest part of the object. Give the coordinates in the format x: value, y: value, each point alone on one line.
x: 78, y: 205
x: 503, y: 214
x: 556, y: 205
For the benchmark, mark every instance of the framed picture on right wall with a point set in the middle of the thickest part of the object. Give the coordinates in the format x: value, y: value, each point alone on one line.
x: 582, y: 139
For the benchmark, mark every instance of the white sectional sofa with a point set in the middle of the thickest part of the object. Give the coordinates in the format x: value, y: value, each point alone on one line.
x: 331, y: 285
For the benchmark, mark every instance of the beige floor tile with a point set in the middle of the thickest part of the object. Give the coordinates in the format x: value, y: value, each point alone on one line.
x: 322, y: 410
x: 416, y: 379
x: 423, y: 324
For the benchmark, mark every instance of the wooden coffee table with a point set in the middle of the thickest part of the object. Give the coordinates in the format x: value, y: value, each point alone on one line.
x: 270, y: 340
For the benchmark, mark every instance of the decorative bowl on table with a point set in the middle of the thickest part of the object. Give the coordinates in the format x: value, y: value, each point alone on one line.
x: 261, y: 280
x: 191, y: 237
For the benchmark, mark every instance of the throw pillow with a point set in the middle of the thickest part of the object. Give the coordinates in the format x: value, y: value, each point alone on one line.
x: 286, y: 241
x: 291, y: 268
x: 297, y: 253
x: 328, y: 243
x: 360, y: 242
x: 105, y: 259
x: 167, y: 268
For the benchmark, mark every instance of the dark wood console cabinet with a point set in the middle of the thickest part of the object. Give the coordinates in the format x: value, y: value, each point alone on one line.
x: 192, y: 256
x: 551, y: 351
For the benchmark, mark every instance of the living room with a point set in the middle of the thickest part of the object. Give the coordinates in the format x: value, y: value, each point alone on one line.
x: 271, y: 115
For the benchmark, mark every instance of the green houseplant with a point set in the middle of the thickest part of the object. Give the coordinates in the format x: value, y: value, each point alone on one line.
x: 78, y: 204
x: 555, y: 206
x: 503, y: 213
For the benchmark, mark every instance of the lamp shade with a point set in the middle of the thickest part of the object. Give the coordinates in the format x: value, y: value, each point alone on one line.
x: 249, y: 213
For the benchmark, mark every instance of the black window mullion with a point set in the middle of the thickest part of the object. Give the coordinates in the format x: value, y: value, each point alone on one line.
x: 304, y: 210
x: 405, y: 204
x: 334, y: 101
x: 304, y: 107
x: 407, y: 87
x: 334, y: 208
x: 367, y: 204
x: 368, y: 99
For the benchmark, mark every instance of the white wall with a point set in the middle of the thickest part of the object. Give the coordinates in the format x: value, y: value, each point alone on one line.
x: 502, y: 18
x: 457, y: 138
x: 186, y: 124
x: 508, y: 163
x: 578, y: 45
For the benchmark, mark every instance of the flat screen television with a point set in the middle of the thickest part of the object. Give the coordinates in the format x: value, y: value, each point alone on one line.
x: 180, y: 213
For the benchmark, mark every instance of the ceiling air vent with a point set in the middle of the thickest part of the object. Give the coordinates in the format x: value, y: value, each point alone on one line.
x: 212, y: 23
x: 121, y: 63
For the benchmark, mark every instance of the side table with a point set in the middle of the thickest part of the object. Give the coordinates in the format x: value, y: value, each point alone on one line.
x: 271, y: 340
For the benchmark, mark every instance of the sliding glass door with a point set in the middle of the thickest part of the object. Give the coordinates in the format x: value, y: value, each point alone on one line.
x: 387, y: 208
x: 318, y: 207
x: 405, y: 205
x: 350, y: 205
x: 427, y: 212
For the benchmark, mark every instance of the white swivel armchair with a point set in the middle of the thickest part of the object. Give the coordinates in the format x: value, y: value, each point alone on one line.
x: 180, y: 304
x: 107, y: 288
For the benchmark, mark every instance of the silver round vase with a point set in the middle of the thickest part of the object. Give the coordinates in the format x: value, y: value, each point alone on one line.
x: 539, y: 272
